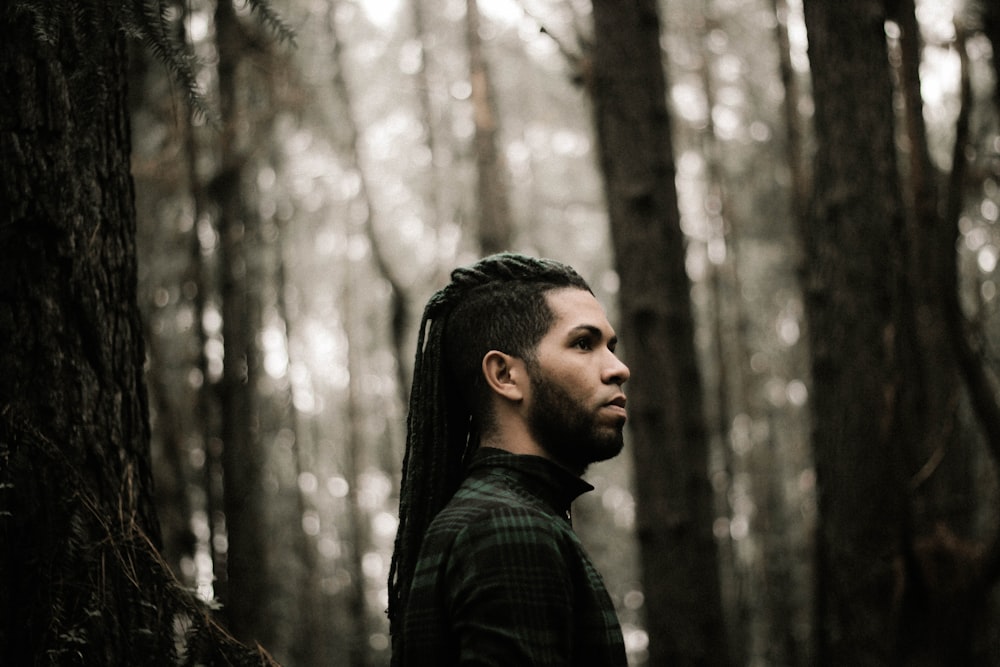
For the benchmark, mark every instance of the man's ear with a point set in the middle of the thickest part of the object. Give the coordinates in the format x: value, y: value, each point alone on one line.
x: 505, y: 375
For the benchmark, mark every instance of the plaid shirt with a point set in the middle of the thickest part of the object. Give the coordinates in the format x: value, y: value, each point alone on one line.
x: 502, y: 579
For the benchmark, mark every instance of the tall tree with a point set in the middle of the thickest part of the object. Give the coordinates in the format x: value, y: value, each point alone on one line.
x: 859, y: 335
x: 668, y: 432
x: 80, y: 578
x: 948, y: 586
x: 349, y: 145
x: 75, y: 436
x: 495, y: 229
x: 243, y: 587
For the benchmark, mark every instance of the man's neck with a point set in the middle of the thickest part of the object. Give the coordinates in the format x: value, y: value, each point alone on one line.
x: 523, y: 446
x: 515, y: 444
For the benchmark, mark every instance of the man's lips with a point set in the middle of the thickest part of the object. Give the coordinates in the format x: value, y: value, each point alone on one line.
x: 617, y: 404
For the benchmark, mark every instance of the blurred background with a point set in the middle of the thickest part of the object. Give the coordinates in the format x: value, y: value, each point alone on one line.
x: 290, y: 233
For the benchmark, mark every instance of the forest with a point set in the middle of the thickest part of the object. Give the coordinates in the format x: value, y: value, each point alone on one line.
x: 220, y: 221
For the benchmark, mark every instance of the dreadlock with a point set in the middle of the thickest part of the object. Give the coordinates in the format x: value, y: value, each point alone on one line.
x: 498, y: 303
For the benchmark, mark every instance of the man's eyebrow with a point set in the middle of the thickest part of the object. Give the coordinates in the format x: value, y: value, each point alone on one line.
x: 591, y: 330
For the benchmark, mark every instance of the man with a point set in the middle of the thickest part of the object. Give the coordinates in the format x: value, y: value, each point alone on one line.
x: 516, y: 391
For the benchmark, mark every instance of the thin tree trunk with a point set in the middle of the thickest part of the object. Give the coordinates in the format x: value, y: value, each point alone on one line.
x: 244, y: 589
x: 495, y: 228
x: 308, y: 647
x: 398, y: 299
x: 668, y: 432
x: 991, y: 26
x: 798, y: 165
x: 353, y: 464
x: 728, y: 344
x: 427, y: 117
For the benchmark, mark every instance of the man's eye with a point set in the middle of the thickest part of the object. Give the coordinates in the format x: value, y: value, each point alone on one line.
x: 582, y: 343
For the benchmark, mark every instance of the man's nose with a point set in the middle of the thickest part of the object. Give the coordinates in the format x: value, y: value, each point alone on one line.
x: 618, y: 373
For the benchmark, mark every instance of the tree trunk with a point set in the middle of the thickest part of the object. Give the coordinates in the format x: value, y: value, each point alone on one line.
x: 353, y: 465
x: 349, y: 146
x: 991, y: 26
x: 244, y: 587
x: 76, y: 510
x: 859, y: 335
x: 794, y: 139
x: 667, y: 429
x: 495, y: 229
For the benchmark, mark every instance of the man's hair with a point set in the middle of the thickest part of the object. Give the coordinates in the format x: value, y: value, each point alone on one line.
x: 499, y: 303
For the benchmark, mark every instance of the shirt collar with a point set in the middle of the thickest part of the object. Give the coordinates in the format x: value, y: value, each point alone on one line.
x: 556, y: 485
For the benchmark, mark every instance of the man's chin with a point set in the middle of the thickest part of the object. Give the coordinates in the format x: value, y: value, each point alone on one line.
x: 607, y: 450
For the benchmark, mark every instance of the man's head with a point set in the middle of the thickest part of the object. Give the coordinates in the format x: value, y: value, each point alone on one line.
x: 508, y: 316
x: 509, y: 305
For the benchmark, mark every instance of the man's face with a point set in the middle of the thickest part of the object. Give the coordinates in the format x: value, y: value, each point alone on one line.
x: 576, y: 407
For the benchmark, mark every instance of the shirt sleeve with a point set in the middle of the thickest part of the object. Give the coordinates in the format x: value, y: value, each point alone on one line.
x: 510, y: 591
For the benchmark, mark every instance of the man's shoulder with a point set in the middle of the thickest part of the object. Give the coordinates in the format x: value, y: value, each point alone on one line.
x: 493, y: 503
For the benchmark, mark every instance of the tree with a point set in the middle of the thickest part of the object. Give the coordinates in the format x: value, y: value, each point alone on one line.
x: 495, y: 228
x: 82, y: 581
x: 859, y: 335
x: 667, y: 426
x: 263, y: 516
x: 244, y: 585
x: 76, y: 486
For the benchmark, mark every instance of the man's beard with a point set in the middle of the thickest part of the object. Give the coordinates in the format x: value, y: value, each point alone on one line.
x: 567, y: 430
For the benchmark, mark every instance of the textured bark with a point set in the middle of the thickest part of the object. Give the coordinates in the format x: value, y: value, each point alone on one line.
x: 75, y: 483
x: 859, y: 335
x: 668, y: 434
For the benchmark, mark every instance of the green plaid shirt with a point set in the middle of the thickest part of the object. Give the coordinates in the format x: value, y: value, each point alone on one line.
x: 502, y: 579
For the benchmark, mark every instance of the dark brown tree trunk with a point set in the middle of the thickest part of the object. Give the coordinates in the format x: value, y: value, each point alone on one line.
x: 943, y: 602
x: 244, y: 587
x: 75, y: 484
x: 495, y: 229
x: 991, y: 26
x: 667, y: 429
x: 859, y: 336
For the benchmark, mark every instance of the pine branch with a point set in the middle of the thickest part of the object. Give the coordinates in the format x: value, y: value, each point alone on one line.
x: 271, y: 19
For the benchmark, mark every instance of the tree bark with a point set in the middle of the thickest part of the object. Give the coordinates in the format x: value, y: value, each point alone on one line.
x: 668, y: 434
x: 859, y: 336
x: 75, y: 486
